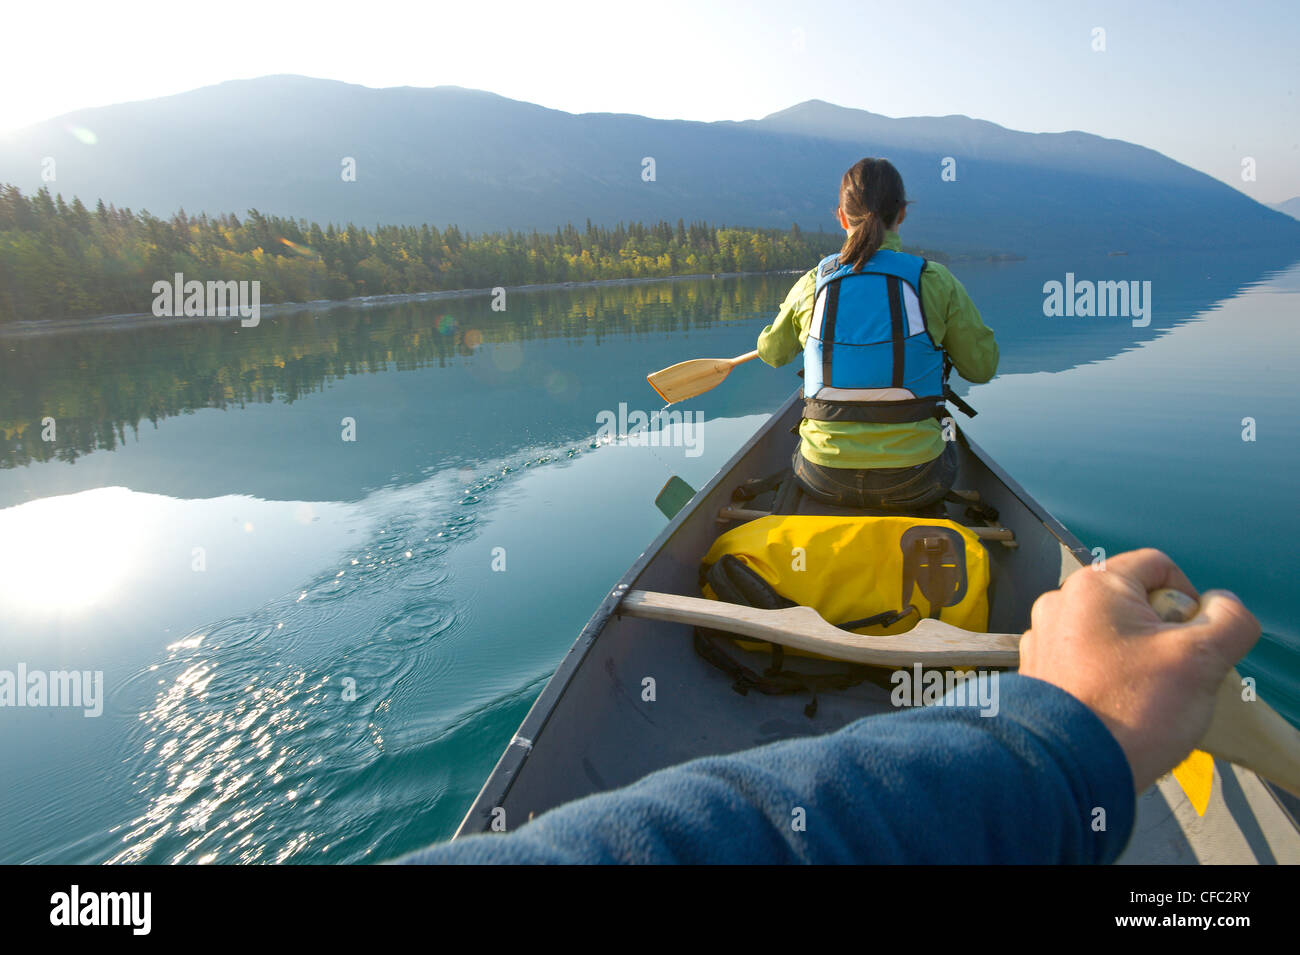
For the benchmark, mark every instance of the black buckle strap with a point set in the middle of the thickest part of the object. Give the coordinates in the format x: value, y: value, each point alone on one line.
x: 886, y: 619
x: 829, y: 307
x: 962, y: 406
x: 950, y: 395
x: 894, y: 284
x: 875, y: 412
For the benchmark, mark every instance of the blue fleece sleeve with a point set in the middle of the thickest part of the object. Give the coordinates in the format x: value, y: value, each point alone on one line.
x: 1042, y: 781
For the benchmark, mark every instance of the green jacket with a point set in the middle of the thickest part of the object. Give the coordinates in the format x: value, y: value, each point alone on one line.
x: 953, y: 321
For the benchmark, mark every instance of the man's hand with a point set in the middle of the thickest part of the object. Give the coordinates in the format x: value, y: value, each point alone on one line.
x: 1152, y: 683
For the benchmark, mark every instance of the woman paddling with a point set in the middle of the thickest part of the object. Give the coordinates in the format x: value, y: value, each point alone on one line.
x: 876, y: 328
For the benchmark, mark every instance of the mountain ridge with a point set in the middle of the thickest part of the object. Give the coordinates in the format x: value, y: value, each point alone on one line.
x: 485, y: 162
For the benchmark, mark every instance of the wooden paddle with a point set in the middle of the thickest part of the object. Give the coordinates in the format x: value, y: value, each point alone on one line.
x: 930, y: 641
x: 690, y: 378
x: 1248, y: 733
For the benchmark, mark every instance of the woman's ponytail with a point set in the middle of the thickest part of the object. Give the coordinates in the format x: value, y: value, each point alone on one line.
x: 863, y: 241
x: 871, y: 197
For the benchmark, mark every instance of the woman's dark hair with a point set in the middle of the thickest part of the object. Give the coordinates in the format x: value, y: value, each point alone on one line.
x: 872, y: 197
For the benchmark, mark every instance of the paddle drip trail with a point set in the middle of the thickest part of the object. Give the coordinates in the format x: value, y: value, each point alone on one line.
x: 650, y: 427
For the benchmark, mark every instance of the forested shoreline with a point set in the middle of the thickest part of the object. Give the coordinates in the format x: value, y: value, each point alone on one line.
x: 63, y: 260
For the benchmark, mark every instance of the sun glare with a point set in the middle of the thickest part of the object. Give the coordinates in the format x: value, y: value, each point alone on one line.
x: 67, y: 554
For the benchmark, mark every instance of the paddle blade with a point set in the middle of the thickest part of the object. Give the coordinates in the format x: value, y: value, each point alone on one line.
x: 689, y: 378
x: 675, y: 495
x: 1196, y: 775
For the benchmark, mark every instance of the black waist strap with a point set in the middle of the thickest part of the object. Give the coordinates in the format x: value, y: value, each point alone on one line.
x: 886, y: 412
x: 877, y: 412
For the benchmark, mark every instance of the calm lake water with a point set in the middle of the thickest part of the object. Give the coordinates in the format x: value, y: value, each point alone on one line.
x: 307, y: 653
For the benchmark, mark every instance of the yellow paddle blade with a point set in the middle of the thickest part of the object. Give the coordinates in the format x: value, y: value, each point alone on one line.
x: 1196, y: 775
x: 689, y: 378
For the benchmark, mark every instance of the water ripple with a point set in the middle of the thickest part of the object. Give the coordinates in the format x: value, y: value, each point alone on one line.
x: 269, y: 736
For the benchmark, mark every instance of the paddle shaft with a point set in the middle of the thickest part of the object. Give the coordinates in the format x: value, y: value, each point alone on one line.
x: 1249, y: 733
x: 1244, y: 731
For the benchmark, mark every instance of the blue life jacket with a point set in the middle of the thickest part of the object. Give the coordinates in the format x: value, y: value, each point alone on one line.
x: 869, y: 355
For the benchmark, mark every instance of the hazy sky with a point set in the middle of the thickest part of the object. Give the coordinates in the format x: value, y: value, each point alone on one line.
x: 1207, y: 83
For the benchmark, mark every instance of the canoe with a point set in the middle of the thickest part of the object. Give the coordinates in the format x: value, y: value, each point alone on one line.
x: 590, y: 731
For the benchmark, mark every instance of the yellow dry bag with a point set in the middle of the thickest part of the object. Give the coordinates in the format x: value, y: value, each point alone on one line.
x: 869, y: 575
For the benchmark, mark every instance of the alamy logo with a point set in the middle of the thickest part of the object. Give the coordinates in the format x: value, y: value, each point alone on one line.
x: 1086, y: 299
x: 920, y: 687
x: 81, y: 689
x: 75, y: 907
x: 213, y: 299
x: 664, y: 429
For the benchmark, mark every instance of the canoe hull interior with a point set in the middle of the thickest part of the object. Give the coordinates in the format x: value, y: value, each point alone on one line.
x: 590, y: 730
